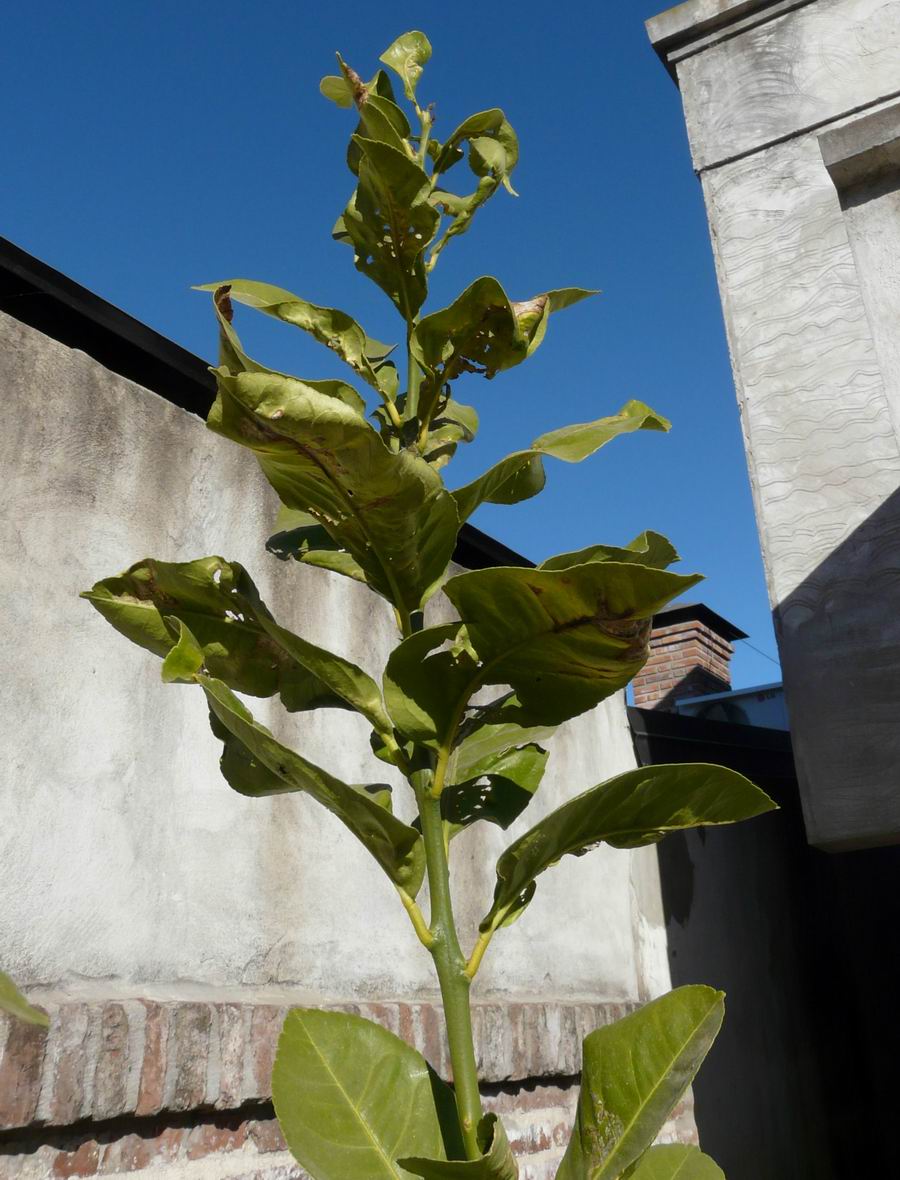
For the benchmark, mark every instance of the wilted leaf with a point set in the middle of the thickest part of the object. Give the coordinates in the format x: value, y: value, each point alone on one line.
x: 13, y: 1002
x: 482, y: 331
x: 496, y: 1163
x: 263, y: 766
x: 352, y: 1098
x: 335, y: 329
x: 648, y: 548
x: 634, y: 1073
x: 389, y: 511
x: 631, y: 810
x: 521, y: 475
x: 239, y: 641
x: 563, y: 640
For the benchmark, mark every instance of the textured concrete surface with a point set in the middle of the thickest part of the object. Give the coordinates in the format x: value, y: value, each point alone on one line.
x: 808, y: 263
x: 126, y: 863
x: 801, y: 69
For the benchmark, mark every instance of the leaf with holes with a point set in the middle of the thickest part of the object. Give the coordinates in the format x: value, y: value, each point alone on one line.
x: 389, y: 222
x: 240, y: 642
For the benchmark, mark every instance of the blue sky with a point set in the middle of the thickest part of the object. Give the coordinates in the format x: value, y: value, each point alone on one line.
x: 150, y: 146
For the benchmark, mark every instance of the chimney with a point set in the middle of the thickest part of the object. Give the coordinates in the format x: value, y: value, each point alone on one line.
x: 690, y: 656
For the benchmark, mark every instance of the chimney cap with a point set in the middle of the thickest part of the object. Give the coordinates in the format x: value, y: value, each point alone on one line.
x: 687, y: 612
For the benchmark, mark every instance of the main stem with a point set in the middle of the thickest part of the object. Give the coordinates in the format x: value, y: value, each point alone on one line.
x: 451, y: 970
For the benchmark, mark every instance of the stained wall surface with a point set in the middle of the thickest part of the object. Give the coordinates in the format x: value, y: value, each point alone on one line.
x: 793, y: 117
x: 166, y: 922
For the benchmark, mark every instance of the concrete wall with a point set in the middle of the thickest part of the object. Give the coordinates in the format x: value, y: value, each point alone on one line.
x: 131, y: 875
x: 791, y: 107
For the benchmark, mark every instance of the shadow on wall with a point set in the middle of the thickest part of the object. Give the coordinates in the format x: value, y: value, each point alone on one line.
x: 803, y: 1083
x: 839, y: 635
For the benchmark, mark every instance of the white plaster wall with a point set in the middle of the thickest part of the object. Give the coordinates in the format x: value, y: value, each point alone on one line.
x: 798, y: 71
x: 126, y: 863
x: 811, y: 295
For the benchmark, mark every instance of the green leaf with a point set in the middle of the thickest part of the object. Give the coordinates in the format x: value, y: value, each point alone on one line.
x: 482, y: 331
x: 346, y: 88
x: 481, y: 123
x: 426, y: 678
x: 629, y: 811
x: 389, y: 222
x: 380, y: 120
x: 337, y: 89
x: 496, y: 156
x: 648, y: 548
x: 634, y: 1073
x: 389, y: 511
x: 563, y: 640
x: 233, y: 357
x: 266, y: 767
x: 453, y: 423
x: 185, y: 659
x: 351, y: 1098
x: 406, y: 56
x: 496, y: 788
x: 674, y: 1161
x: 237, y: 639
x: 521, y: 475
x: 496, y: 1163
x: 300, y: 537
x: 335, y: 329
x: 13, y: 1002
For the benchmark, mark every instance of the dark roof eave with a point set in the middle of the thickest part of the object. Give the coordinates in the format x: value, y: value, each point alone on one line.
x: 37, y: 295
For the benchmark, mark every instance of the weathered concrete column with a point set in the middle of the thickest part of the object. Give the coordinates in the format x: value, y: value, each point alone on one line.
x: 793, y: 114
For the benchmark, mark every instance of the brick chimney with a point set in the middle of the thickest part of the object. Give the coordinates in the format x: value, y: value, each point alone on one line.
x: 690, y: 656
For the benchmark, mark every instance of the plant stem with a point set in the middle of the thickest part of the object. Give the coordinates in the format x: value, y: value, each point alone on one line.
x: 451, y: 971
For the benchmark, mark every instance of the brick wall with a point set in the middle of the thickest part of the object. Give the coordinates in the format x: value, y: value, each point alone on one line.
x: 180, y: 1090
x: 687, y: 659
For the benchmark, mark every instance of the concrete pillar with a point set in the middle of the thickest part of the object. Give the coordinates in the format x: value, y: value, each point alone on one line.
x: 794, y: 123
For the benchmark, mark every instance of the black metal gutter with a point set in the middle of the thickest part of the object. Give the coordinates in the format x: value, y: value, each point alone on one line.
x: 37, y: 295
x: 764, y: 755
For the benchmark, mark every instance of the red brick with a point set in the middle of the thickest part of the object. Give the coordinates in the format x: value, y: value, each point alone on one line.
x: 153, y: 1069
x: 190, y: 1036
x: 265, y: 1027
x: 68, y: 1082
x: 20, y: 1073
x: 267, y: 1136
x: 111, y: 1070
x: 81, y: 1162
x: 209, y: 1138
